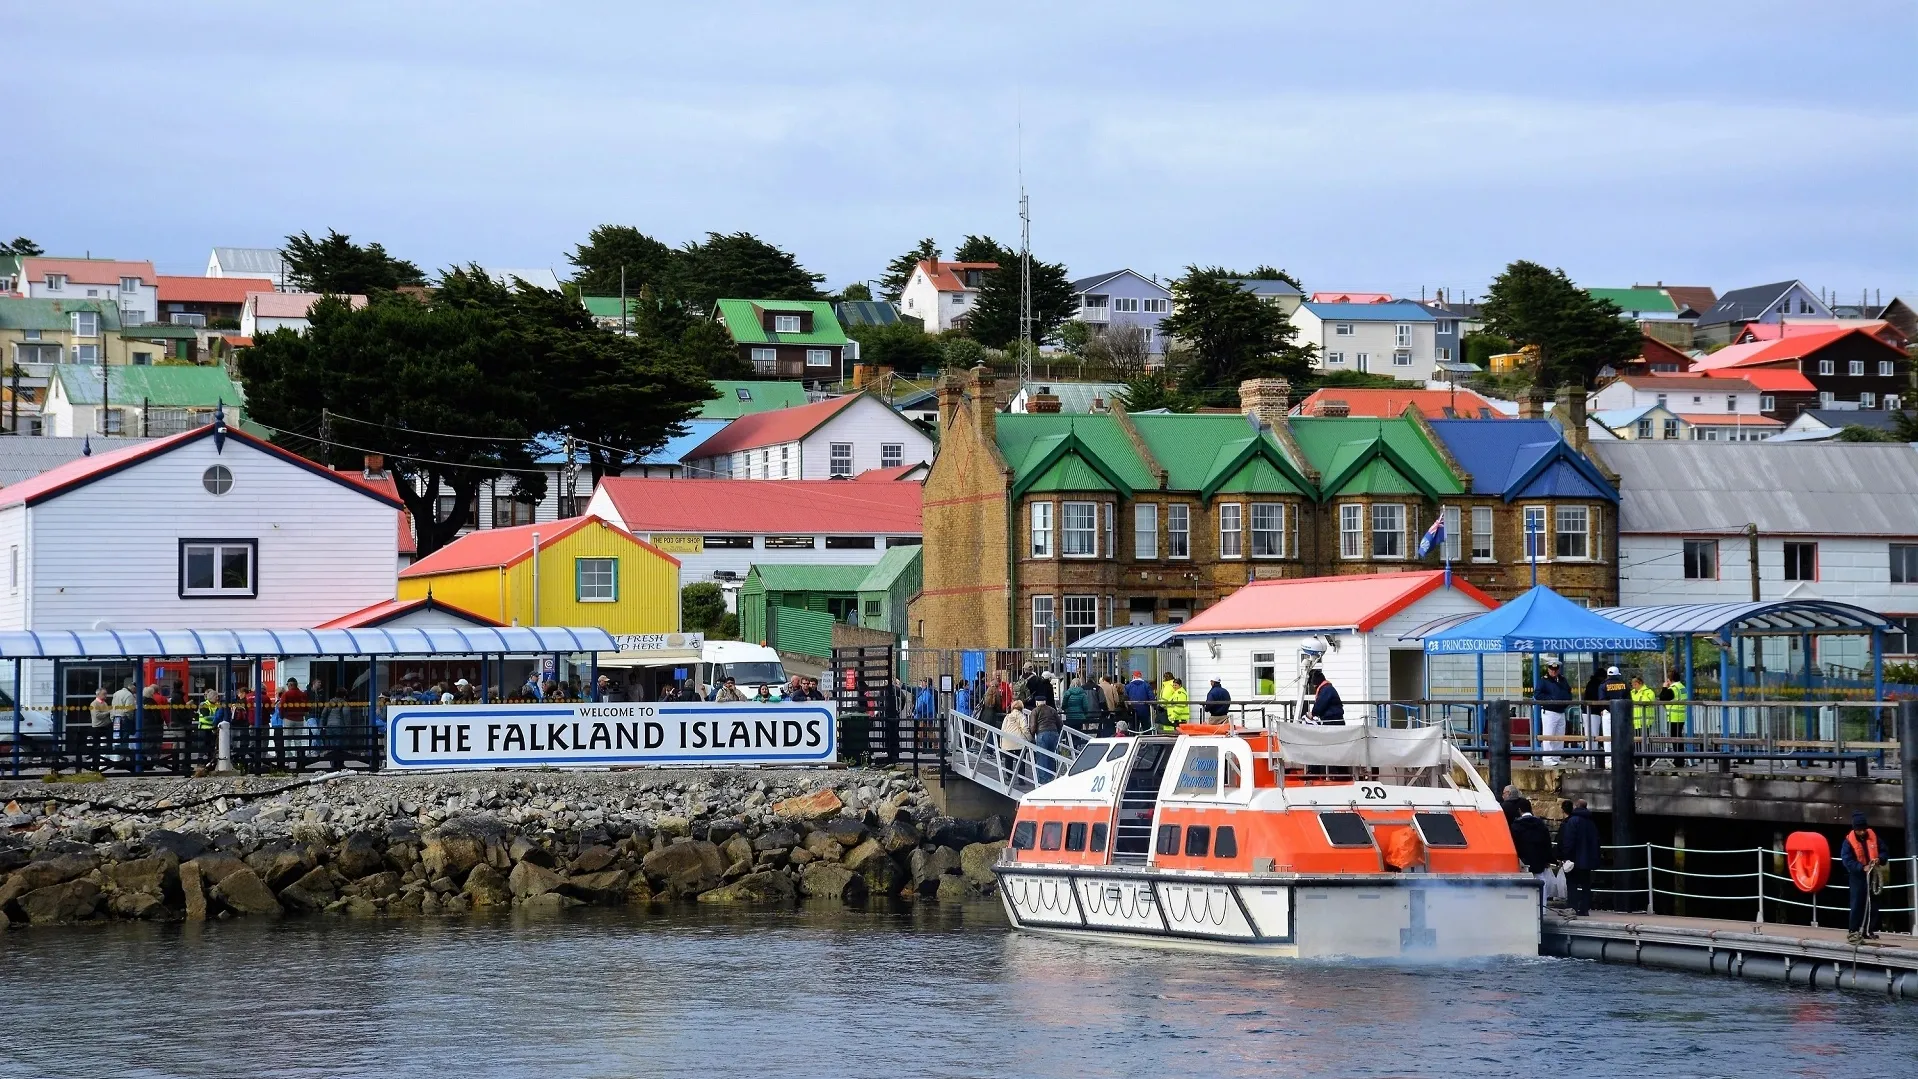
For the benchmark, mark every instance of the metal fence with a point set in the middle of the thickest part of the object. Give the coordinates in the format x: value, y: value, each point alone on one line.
x: 1749, y: 883
x: 984, y: 754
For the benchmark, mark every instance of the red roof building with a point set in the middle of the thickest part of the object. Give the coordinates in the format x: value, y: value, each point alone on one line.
x: 407, y: 612
x: 1351, y: 297
x: 1385, y: 403
x: 218, y: 290
x: 837, y: 438
x: 1847, y: 366
x: 95, y: 272
x: 941, y: 294
x: 1359, y: 601
x: 755, y: 507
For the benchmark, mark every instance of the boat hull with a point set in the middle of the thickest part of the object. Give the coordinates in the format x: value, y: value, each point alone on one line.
x: 1408, y: 916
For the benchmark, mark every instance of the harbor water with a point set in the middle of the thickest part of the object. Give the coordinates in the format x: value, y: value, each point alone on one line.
x: 932, y: 991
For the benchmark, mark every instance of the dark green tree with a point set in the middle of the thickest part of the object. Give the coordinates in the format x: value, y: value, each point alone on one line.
x: 1158, y: 388
x: 994, y: 320
x: 706, y: 346
x: 958, y: 350
x: 739, y: 265
x: 609, y: 248
x: 1576, y: 334
x: 1272, y: 273
x: 855, y: 292
x: 902, y: 347
x: 1233, y: 335
x: 984, y: 249
x: 702, y: 609
x: 899, y: 270
x: 1479, y: 348
x: 21, y: 246
x: 337, y: 266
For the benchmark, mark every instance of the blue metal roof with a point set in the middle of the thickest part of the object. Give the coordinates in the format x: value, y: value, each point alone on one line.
x: 1394, y: 311
x: 697, y: 431
x: 1766, y: 617
x: 1120, y: 638
x: 237, y: 643
x: 1521, y: 458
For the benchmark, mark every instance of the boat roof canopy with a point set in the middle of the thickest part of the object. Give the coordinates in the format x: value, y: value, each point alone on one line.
x: 1361, y: 746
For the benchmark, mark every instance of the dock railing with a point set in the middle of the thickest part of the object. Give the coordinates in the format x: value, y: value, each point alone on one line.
x: 1743, y: 884
x: 982, y: 753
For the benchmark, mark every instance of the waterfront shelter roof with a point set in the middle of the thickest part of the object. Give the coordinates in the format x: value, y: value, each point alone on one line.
x: 1541, y: 620
x: 1126, y: 638
x: 1765, y: 618
x: 249, y: 643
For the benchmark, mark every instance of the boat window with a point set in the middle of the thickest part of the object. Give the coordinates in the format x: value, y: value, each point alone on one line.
x: 1227, y: 845
x: 1118, y: 750
x: 1022, y: 834
x: 1346, y: 829
x: 1049, y: 835
x: 1440, y: 829
x: 1199, y: 772
x: 1232, y: 774
x: 1099, y: 836
x: 1198, y: 841
x: 1168, y: 839
x: 1076, y: 835
x: 1088, y: 759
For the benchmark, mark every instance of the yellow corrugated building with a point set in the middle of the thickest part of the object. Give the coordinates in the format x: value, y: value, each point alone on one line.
x: 588, y: 572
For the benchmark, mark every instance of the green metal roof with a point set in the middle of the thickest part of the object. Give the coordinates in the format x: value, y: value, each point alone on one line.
x: 1344, y: 449
x: 1635, y: 299
x: 896, y: 561
x: 605, y: 306
x: 742, y: 319
x: 1071, y: 472
x: 759, y: 397
x: 169, y: 386
x: 1204, y: 451
x: 160, y: 331
x: 22, y: 314
x: 810, y: 577
x: 1029, y: 441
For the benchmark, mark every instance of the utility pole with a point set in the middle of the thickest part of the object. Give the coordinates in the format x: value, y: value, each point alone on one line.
x: 1751, y: 549
x: 622, y: 301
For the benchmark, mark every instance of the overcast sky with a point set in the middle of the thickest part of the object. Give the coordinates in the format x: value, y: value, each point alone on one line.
x: 1359, y: 145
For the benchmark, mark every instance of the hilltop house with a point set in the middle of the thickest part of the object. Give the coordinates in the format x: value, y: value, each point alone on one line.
x: 50, y: 332
x: 1697, y: 407
x: 131, y: 285
x: 941, y: 294
x: 1121, y: 299
x: 837, y: 438
x: 1397, y: 338
x: 140, y: 401
x: 1282, y: 294
x: 263, y: 262
x: 786, y: 339
x: 1839, y: 368
x: 1759, y: 303
x: 203, y: 301
x: 265, y: 312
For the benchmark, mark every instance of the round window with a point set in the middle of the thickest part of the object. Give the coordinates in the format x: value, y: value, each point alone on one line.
x: 217, y: 480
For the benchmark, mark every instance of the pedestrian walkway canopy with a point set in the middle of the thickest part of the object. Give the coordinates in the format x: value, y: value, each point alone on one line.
x: 1769, y: 618
x: 1126, y: 638
x: 249, y: 643
x: 1541, y: 620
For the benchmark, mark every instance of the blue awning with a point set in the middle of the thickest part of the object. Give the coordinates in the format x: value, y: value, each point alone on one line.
x: 246, y: 643
x: 1121, y: 638
x: 1541, y: 620
x: 1778, y: 616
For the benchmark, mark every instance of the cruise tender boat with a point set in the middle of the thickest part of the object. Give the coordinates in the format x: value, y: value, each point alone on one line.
x: 1297, y: 840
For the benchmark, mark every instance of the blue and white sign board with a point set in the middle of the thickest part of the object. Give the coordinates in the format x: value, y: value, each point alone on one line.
x: 586, y: 735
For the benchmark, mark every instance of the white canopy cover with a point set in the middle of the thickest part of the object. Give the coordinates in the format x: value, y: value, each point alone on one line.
x: 1360, y: 746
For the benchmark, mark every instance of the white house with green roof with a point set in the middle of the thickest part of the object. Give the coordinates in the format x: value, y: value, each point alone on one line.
x: 141, y: 401
x: 786, y: 339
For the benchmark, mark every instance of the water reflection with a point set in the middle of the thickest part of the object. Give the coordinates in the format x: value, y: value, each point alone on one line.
x: 930, y: 991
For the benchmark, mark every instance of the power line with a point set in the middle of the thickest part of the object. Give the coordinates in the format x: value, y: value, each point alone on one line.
x: 400, y: 456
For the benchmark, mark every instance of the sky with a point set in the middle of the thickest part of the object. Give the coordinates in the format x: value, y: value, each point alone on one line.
x: 1375, y: 146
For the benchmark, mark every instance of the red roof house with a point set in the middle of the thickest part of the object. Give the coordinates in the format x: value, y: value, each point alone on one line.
x: 1386, y: 403
x: 754, y: 507
x: 837, y: 438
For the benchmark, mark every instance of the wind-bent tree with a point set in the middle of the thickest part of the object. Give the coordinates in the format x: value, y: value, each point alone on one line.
x: 1232, y: 334
x: 1576, y: 333
x: 337, y: 266
x: 608, y: 249
x: 899, y: 271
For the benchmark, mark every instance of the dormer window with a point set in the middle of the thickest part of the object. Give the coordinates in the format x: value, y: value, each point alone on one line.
x: 974, y: 277
x: 786, y: 324
x: 56, y: 282
x: 129, y: 284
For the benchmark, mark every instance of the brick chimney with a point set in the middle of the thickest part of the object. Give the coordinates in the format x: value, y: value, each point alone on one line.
x: 1531, y: 403
x: 373, y: 466
x: 1269, y: 399
x: 1571, y: 417
x: 985, y: 404
x: 1333, y: 407
x: 1043, y: 402
x: 951, y: 388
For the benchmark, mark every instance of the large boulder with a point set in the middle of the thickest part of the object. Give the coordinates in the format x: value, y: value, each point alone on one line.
x: 529, y: 880
x: 815, y: 806
x: 822, y: 880
x: 452, y: 855
x: 216, y: 866
x: 144, y: 906
x: 900, y: 836
x: 279, y: 866
x: 141, y: 875
x: 863, y: 853
x: 523, y: 849
x: 547, y: 903
x: 683, y: 870
x: 883, y: 876
x: 738, y: 856
x: 44, y: 874
x: 993, y: 829
x: 193, y: 888
x: 360, y: 855
x: 486, y: 887
x: 594, y: 858
x: 244, y: 892
x: 777, y: 839
x: 848, y: 831
x: 821, y: 845
x: 638, y: 892
x: 69, y: 901
x: 952, y: 832
x: 976, y: 862
x: 928, y: 865
x: 311, y: 892
x: 952, y: 889
x: 753, y: 888
x: 608, y: 886
x: 182, y: 845
x: 375, y: 885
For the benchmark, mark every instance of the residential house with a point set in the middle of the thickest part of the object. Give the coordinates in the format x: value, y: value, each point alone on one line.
x: 1042, y: 528
x: 1647, y: 421
x: 1124, y: 299
x: 156, y: 342
x: 10, y: 275
x: 39, y: 334
x: 1351, y: 297
x: 264, y: 262
x: 1699, y: 298
x: 837, y: 438
x: 1836, y: 369
x: 1077, y: 397
x: 139, y: 401
x: 265, y: 312
x: 787, y: 339
x: 1754, y: 332
x: 1392, y: 403
x: 424, y: 613
x: 793, y: 607
x: 732, y: 400
x: 941, y: 294
x: 207, y: 301
x: 1643, y: 304
x: 585, y: 571
x: 1282, y: 294
x: 536, y: 276
x: 1834, y: 520
x: 1701, y: 408
x: 1397, y: 338
x: 720, y: 529
x: 1454, y: 322
x: 1760, y: 303
x: 131, y: 285
x: 1814, y: 423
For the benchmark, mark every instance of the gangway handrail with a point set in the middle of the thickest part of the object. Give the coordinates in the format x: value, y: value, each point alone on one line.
x: 975, y: 750
x: 1640, y: 880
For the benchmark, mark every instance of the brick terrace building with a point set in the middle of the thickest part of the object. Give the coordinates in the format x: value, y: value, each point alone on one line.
x: 1041, y: 528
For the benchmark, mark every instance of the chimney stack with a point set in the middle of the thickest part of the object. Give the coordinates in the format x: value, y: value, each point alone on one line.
x: 1043, y: 402
x: 1268, y: 399
x: 1334, y: 408
x: 1571, y: 417
x: 985, y: 404
x: 951, y: 388
x: 1531, y: 403
x: 373, y: 466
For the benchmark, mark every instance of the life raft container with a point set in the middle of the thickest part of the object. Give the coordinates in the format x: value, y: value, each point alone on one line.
x: 1808, y: 859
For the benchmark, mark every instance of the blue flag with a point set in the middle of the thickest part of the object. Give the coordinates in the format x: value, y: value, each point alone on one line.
x: 1433, y: 536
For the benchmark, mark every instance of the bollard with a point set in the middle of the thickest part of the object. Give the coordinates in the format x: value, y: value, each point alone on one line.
x: 1498, y: 740
x: 223, y: 759
x: 1624, y: 795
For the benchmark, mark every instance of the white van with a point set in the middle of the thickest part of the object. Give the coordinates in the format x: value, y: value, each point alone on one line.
x: 750, y: 666
x: 35, y: 724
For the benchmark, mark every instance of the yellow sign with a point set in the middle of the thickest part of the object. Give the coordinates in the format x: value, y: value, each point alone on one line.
x: 677, y: 543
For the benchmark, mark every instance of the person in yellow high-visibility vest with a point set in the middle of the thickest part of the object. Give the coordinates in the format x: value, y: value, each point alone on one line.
x: 1676, y: 693
x: 1644, y: 706
x: 1173, y: 695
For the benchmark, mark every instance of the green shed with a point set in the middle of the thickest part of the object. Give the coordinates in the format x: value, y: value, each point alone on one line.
x: 793, y: 607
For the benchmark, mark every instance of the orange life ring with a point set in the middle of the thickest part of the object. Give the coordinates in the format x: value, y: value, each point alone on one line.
x: 1808, y: 859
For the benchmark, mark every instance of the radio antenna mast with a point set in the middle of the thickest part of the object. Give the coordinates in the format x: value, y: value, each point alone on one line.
x: 1025, y: 264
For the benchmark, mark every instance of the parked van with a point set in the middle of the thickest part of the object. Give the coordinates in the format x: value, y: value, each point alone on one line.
x: 750, y: 666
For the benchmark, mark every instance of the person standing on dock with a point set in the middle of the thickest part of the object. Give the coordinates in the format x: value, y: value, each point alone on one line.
x: 1218, y: 702
x: 1138, y: 693
x: 1578, y: 845
x: 1861, y: 858
x: 1532, y: 839
x: 1554, y: 696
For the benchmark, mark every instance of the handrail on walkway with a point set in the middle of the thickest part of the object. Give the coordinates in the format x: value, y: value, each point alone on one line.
x: 982, y: 753
x: 1637, y: 875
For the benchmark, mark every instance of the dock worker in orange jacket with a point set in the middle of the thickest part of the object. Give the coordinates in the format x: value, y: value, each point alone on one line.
x: 1861, y: 857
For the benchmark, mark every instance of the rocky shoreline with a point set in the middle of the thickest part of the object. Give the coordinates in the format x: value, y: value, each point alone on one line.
x: 370, y: 845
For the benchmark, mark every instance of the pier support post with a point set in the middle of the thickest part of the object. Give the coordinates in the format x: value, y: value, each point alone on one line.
x: 1624, y: 800
x: 1908, y: 749
x: 1498, y: 741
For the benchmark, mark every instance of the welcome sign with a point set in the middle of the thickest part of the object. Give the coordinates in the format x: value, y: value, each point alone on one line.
x: 586, y: 735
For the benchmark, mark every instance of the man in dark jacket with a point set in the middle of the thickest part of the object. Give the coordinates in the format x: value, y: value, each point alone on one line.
x: 1858, y: 852
x: 1532, y: 838
x: 1039, y: 688
x: 1046, y: 726
x: 1217, y: 701
x: 1138, y: 693
x: 1327, y: 707
x: 1578, y: 845
x: 1554, y: 697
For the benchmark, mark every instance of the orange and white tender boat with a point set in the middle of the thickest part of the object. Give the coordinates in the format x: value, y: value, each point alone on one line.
x: 1299, y: 840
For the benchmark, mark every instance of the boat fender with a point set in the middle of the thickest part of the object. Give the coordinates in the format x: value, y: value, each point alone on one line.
x: 1808, y: 857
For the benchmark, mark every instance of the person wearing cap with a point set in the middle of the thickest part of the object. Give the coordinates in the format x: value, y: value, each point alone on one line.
x: 1554, y: 696
x: 1598, y: 732
x: 1861, y: 857
x: 1138, y: 693
x: 1217, y: 701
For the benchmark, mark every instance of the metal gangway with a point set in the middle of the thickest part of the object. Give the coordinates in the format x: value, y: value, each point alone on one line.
x: 984, y: 754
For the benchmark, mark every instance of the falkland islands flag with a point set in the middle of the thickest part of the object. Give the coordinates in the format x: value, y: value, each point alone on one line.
x: 1434, y: 536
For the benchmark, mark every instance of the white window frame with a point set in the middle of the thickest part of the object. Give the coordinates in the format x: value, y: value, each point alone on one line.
x: 1380, y: 515
x: 1043, y: 616
x: 86, y: 354
x: 86, y: 324
x: 1127, y: 304
x: 1886, y: 368
x: 610, y: 586
x: 1087, y: 613
x: 1107, y: 510
x: 787, y: 324
x: 129, y: 284
x: 1483, y: 519
x: 1145, y: 531
x: 1443, y: 355
x: 1402, y: 335
x: 1543, y: 536
x: 1767, y: 403
x: 56, y: 282
x: 1867, y: 400
x: 1231, y: 531
x: 13, y: 569
x: 819, y: 357
x: 785, y: 456
x: 1731, y: 402
x: 1453, y: 541
x: 1085, y: 534
x: 1352, y: 530
x: 839, y: 463
x: 1274, y: 512
x: 1335, y: 357
x: 1579, y: 520
x: 892, y: 454
x: 1361, y: 361
x: 1855, y: 368
x: 1827, y: 367
x: 1341, y: 329
x: 1401, y: 357
x: 767, y: 356
x: 1178, y: 530
x: 219, y: 549
x: 1159, y: 306
x: 1039, y: 529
